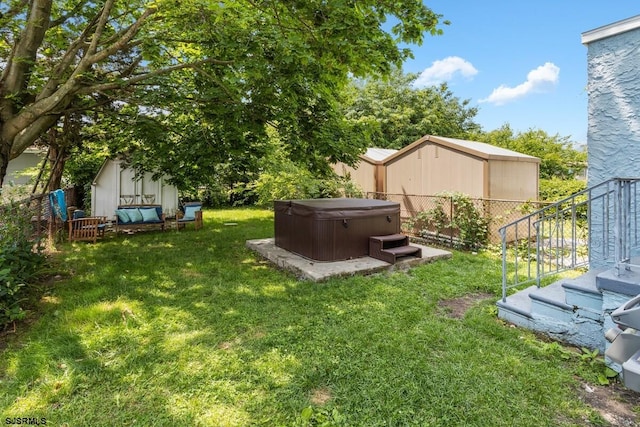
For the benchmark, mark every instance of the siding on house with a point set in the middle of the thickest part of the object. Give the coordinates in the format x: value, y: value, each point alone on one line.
x: 17, y: 174
x: 613, y: 88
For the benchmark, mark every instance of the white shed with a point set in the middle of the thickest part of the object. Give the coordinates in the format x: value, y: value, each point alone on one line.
x: 117, y: 184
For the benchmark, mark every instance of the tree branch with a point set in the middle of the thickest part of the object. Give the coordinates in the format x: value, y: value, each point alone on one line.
x: 121, y: 42
x: 23, y: 58
x: 97, y: 34
x: 141, y: 77
x: 12, y: 12
x: 31, y: 133
x: 63, y: 18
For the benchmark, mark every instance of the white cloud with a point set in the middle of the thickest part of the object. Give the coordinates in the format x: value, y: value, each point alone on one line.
x: 444, y: 70
x: 542, y: 79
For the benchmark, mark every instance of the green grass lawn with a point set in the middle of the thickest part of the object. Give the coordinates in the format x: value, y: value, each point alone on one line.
x: 192, y: 328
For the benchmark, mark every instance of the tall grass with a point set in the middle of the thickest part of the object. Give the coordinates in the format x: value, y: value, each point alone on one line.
x: 191, y: 328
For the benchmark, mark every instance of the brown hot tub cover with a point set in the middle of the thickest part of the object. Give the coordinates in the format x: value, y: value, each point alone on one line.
x: 333, y: 229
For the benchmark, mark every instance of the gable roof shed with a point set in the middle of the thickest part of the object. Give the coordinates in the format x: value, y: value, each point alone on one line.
x: 433, y: 164
x: 117, y: 184
x: 368, y: 173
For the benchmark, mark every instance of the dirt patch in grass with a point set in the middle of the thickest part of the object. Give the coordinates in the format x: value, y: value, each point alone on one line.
x: 617, y: 405
x: 457, y: 307
x: 320, y: 396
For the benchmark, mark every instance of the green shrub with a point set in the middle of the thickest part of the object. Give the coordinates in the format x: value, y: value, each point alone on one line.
x: 473, y: 226
x: 293, y: 182
x: 466, y: 222
x: 20, y: 261
x: 555, y: 189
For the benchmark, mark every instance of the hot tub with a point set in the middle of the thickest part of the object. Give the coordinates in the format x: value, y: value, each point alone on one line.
x: 333, y: 229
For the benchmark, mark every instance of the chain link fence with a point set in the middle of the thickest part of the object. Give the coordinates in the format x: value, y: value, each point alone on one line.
x: 430, y: 217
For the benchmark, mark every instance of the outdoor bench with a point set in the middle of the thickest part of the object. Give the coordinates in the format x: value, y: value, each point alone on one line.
x: 139, y: 217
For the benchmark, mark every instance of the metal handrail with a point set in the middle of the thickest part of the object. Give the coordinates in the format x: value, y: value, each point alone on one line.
x: 595, y: 227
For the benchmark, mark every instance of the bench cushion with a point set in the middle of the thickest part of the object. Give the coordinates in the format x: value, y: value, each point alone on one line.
x: 149, y: 215
x: 135, y: 215
x: 139, y: 215
x: 123, y: 216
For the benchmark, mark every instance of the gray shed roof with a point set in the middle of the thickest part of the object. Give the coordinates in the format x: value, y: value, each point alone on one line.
x: 474, y: 148
x: 379, y: 154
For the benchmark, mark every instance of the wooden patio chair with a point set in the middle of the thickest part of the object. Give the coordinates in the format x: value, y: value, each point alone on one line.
x: 86, y: 228
x: 191, y: 212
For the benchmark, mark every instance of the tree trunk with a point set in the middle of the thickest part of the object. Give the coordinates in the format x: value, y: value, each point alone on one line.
x: 5, y: 153
x: 57, y: 160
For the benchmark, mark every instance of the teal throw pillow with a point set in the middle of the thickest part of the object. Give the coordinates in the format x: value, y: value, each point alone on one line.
x: 123, y: 217
x: 190, y: 212
x: 149, y: 214
x: 134, y: 215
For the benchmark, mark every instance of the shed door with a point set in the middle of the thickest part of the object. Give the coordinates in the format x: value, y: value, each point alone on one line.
x: 150, y: 190
x: 129, y: 193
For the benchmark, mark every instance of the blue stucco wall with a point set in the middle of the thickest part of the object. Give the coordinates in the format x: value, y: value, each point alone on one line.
x: 613, y: 138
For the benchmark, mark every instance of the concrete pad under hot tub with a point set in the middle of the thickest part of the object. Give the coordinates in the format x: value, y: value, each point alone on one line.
x: 317, y: 271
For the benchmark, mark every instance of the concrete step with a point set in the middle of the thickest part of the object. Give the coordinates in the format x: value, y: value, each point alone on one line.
x: 549, y: 301
x: 582, y: 293
x: 545, y: 310
x: 575, y: 311
x: 626, y: 282
x: 516, y: 308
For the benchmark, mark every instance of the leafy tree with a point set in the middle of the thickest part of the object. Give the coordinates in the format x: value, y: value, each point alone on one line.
x: 558, y: 156
x: 555, y: 189
x: 234, y: 67
x: 280, y: 178
x: 396, y: 113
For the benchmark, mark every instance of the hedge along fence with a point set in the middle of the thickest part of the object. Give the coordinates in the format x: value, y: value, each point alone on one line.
x: 23, y: 232
x: 455, y: 219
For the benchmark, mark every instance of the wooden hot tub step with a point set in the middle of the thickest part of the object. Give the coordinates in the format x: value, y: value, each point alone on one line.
x: 390, y: 247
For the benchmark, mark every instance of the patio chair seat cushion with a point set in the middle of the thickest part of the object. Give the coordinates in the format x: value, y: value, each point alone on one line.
x: 190, y: 213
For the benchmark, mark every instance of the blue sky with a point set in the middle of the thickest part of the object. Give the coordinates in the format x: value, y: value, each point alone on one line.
x: 520, y: 62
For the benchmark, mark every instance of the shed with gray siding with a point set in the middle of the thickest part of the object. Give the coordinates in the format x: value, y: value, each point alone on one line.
x: 23, y: 169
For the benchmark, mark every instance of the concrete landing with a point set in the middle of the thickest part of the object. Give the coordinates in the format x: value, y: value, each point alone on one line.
x: 317, y: 271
